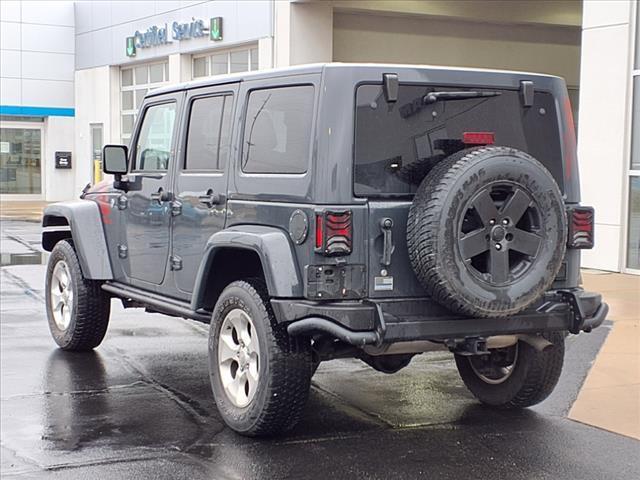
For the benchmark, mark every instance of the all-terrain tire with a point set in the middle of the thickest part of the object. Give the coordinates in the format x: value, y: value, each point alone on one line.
x: 534, y: 376
x: 89, y: 306
x: 481, y: 187
x: 284, y: 369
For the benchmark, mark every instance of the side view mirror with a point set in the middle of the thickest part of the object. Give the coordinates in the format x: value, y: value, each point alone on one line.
x: 115, y: 159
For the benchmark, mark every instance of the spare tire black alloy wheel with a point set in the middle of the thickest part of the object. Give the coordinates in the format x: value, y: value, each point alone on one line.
x: 486, y: 232
x: 499, y: 233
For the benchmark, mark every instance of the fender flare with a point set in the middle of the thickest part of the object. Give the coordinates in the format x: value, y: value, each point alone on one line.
x: 272, y: 246
x: 85, y: 223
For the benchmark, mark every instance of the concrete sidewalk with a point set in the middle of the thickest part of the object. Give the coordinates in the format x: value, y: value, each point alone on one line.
x: 22, y: 210
x: 610, y: 396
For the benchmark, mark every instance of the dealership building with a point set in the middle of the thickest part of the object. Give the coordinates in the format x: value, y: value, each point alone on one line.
x: 73, y: 75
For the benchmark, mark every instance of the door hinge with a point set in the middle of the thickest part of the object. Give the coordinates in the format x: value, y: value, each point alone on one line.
x: 176, y: 263
x: 123, y: 251
x: 123, y: 202
x: 176, y: 209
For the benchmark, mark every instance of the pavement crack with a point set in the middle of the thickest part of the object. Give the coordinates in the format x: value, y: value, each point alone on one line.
x: 90, y: 392
x: 19, y: 282
x: 369, y: 415
x: 191, y: 407
x: 22, y: 242
x: 24, y: 459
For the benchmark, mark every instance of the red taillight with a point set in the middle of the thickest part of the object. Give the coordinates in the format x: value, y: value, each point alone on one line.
x: 319, y: 231
x: 478, y: 138
x: 334, y: 233
x: 580, y: 227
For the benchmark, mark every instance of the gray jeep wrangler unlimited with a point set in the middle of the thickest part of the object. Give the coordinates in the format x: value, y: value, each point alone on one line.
x: 332, y: 211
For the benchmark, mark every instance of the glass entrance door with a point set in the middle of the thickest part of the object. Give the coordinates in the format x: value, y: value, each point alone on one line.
x: 21, y: 160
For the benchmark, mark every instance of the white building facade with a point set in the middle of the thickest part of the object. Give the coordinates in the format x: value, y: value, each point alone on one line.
x: 120, y: 50
x: 37, y: 57
x: 609, y: 133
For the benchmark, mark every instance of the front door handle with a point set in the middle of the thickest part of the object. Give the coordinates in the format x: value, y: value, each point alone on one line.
x: 161, y: 196
x: 209, y: 199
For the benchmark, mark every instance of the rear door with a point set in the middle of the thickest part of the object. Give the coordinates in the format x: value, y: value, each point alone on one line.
x: 201, y: 180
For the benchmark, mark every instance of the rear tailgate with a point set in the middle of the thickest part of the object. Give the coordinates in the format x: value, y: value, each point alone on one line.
x: 396, y: 144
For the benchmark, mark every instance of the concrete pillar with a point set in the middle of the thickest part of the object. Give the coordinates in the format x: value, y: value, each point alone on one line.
x: 265, y: 53
x: 303, y: 33
x: 603, y: 146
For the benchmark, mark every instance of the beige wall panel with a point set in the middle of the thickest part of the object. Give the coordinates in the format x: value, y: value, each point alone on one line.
x: 376, y: 38
x: 556, y: 12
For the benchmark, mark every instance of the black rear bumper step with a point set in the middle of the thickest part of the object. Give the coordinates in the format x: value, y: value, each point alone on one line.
x: 572, y: 310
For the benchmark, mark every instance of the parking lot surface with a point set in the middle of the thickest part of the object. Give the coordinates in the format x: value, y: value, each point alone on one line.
x: 140, y: 406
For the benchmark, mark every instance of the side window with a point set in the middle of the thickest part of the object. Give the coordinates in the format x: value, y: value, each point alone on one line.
x: 277, y: 130
x: 208, y: 134
x: 154, y: 143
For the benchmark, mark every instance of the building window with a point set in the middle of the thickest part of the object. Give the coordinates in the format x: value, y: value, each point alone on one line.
x: 135, y: 82
x: 20, y: 160
x: 633, y: 236
x: 229, y: 61
x: 277, y: 130
x: 633, y: 226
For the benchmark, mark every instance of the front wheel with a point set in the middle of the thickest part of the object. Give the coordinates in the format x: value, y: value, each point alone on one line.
x: 514, y: 377
x: 77, y: 309
x: 259, y: 375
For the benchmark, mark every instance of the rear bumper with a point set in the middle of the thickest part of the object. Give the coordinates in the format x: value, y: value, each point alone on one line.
x: 401, y: 320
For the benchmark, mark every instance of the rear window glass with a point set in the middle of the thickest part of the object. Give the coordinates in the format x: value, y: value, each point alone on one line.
x: 396, y: 144
x: 277, y: 130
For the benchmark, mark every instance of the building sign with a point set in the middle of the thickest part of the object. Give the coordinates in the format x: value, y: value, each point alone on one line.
x: 131, y: 46
x: 163, y: 35
x: 215, y: 32
x: 63, y: 159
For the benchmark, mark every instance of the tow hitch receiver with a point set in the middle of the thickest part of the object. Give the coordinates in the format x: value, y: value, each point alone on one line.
x: 468, y: 346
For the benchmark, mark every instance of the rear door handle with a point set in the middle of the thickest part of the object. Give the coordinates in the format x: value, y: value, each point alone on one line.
x: 209, y: 199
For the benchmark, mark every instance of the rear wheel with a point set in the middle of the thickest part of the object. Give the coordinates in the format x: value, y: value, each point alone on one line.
x: 514, y: 377
x: 260, y: 376
x: 77, y: 309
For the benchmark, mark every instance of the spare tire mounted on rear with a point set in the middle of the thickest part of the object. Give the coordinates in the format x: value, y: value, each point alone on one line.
x: 487, y: 231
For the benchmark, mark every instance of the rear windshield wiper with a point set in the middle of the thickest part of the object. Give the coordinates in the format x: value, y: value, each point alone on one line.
x: 434, y: 97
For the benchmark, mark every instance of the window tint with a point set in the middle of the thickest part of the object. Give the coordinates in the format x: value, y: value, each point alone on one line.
x: 277, y: 130
x: 208, y: 135
x: 397, y: 144
x: 153, y: 147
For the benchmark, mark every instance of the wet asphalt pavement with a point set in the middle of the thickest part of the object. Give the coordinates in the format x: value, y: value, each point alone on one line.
x: 140, y: 406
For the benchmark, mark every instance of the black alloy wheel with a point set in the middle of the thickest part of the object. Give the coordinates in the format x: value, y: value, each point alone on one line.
x: 500, y: 233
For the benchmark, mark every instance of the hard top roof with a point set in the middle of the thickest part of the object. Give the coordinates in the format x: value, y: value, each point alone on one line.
x: 319, y: 67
